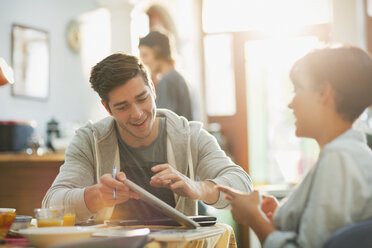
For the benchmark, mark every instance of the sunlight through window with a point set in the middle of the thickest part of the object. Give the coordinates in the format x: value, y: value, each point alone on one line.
x: 269, y: 16
x: 219, y: 73
x: 95, y: 38
x: 276, y: 154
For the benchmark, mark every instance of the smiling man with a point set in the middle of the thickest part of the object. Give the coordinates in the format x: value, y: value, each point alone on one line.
x: 172, y: 158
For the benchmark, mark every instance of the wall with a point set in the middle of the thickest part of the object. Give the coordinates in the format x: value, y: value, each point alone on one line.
x: 71, y: 100
x: 70, y: 97
x: 348, y: 22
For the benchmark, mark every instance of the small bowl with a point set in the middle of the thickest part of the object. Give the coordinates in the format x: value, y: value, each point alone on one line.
x: 21, y: 222
x: 7, y: 216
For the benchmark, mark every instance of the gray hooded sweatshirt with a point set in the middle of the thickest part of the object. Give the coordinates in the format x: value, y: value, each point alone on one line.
x: 94, y: 151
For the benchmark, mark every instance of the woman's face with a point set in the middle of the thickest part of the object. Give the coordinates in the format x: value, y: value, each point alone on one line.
x: 307, y: 107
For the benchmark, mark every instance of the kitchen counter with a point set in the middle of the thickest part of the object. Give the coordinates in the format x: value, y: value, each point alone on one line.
x: 23, y: 157
x: 24, y: 179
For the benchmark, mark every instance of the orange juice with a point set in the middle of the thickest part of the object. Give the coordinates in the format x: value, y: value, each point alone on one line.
x: 69, y: 220
x: 6, y: 220
x: 46, y: 223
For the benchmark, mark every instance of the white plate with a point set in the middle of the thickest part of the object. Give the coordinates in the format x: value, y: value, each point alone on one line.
x: 47, y: 236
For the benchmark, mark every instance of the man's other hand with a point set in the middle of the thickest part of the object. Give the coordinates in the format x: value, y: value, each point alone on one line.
x: 169, y: 177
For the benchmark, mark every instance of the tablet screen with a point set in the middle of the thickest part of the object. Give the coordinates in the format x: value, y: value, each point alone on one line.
x: 165, y: 208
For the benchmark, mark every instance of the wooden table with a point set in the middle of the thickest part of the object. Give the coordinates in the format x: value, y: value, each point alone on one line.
x: 24, y: 179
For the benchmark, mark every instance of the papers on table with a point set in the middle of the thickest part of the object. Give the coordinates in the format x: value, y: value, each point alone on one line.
x: 186, y: 234
x: 164, y: 234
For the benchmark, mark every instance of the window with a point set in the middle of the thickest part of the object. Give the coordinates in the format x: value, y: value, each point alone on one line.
x: 263, y: 15
x: 275, y: 154
x: 272, y: 35
x: 219, y: 73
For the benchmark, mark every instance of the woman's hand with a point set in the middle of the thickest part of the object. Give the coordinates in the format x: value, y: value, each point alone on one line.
x: 246, y: 209
x: 243, y: 205
x: 268, y: 205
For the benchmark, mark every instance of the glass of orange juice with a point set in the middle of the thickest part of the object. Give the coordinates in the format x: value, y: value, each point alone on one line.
x: 69, y: 216
x: 49, y: 216
x: 7, y: 216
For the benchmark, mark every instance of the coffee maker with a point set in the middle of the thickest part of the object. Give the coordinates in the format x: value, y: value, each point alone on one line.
x: 52, y: 133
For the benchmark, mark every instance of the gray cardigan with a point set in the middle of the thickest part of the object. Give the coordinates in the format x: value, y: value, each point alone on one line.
x: 94, y: 150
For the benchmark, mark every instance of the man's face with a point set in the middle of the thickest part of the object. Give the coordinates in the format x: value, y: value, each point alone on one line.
x: 149, y: 59
x: 133, y: 107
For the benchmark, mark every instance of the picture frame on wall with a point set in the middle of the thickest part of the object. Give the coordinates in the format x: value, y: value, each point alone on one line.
x: 30, y: 62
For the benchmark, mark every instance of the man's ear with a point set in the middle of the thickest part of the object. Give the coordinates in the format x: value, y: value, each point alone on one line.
x: 106, y: 107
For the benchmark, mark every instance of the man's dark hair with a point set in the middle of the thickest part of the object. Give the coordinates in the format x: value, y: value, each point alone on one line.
x: 348, y: 69
x: 114, y: 71
x: 159, y: 43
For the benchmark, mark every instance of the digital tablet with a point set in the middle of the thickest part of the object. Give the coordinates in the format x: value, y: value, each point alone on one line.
x: 162, y: 206
x: 202, y: 220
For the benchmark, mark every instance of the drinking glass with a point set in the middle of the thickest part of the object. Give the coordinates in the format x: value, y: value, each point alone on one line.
x: 69, y: 216
x: 52, y: 216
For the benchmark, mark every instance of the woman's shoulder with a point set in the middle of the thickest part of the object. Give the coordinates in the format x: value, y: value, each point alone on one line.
x: 351, y: 143
x: 348, y: 155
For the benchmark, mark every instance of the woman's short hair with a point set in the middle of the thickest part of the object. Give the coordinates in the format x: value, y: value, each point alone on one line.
x: 348, y: 69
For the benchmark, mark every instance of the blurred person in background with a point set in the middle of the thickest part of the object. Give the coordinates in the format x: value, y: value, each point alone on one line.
x: 172, y: 90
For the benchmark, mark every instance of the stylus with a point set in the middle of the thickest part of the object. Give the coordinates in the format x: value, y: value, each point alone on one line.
x: 114, y: 175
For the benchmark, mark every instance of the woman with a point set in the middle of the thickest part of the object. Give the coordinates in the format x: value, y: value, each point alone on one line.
x: 333, y: 86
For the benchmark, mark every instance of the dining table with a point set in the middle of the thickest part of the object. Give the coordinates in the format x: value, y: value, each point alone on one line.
x: 224, y: 239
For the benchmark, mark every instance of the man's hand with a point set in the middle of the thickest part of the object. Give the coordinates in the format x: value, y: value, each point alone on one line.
x: 169, y: 177
x: 106, y: 187
x: 102, y: 194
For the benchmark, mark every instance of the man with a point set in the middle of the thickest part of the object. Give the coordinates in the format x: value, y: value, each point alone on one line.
x: 171, y: 89
x: 174, y: 159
